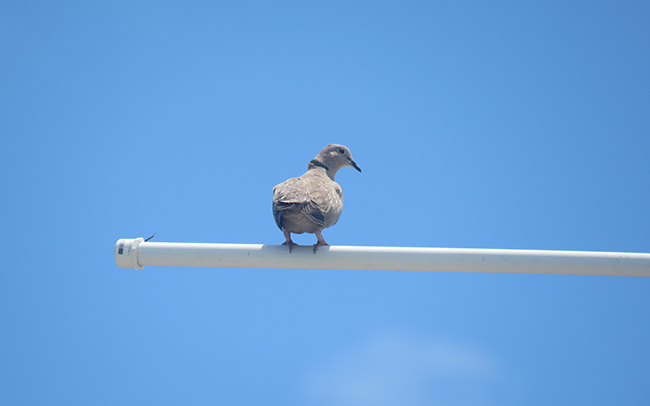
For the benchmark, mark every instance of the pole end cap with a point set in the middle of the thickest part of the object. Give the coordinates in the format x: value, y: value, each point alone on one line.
x: 126, y: 253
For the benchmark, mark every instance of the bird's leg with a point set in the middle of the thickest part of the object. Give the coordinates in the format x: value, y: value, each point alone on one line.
x: 321, y: 240
x: 288, y: 242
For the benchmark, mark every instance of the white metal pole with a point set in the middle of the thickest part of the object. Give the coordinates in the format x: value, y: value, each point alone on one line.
x: 136, y: 253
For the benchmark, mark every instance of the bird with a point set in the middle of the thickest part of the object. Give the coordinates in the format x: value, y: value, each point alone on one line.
x: 312, y: 202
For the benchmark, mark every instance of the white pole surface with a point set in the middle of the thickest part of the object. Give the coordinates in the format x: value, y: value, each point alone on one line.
x: 136, y: 253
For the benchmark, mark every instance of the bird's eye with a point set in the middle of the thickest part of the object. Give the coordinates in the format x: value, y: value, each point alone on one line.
x: 341, y: 151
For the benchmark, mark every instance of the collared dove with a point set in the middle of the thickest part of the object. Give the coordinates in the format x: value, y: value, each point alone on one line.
x: 313, y: 201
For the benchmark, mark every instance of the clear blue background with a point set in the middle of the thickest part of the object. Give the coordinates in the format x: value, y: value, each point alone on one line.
x: 477, y: 125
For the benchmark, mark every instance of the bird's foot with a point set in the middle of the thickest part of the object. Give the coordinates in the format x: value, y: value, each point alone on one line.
x: 318, y: 244
x: 321, y: 240
x: 290, y: 244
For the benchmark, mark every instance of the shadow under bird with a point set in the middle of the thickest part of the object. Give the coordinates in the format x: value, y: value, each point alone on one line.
x: 314, y: 201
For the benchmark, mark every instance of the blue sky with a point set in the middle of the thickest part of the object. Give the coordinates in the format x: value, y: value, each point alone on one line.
x: 477, y: 125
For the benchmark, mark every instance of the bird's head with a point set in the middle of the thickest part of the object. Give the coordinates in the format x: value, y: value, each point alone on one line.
x: 335, y: 157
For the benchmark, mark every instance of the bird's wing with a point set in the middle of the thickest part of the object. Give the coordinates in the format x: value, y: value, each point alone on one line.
x: 315, y: 213
x: 325, y: 203
x: 293, y: 190
x: 288, y: 195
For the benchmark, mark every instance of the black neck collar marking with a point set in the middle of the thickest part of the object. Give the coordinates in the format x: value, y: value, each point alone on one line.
x: 315, y: 163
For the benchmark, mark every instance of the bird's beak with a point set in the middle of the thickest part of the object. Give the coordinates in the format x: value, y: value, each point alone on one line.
x: 354, y: 165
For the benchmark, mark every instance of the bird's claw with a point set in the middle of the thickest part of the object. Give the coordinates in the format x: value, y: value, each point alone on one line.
x: 318, y: 244
x: 290, y: 244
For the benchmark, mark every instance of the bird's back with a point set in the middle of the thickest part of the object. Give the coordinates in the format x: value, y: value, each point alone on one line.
x: 308, y: 203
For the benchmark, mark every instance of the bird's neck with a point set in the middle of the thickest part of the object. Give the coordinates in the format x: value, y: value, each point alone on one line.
x: 315, y: 164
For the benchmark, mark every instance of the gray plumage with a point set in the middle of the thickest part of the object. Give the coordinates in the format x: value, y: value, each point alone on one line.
x: 312, y: 202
